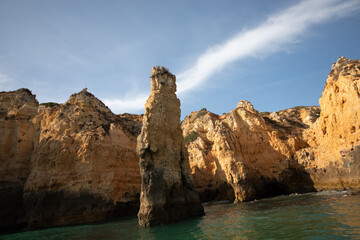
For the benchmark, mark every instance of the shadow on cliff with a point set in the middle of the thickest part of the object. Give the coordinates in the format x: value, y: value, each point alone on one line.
x: 215, y: 190
x: 56, y: 208
x: 56, y: 203
x: 292, y: 179
x: 295, y: 179
x: 341, y: 175
x: 12, y: 214
x: 254, y: 183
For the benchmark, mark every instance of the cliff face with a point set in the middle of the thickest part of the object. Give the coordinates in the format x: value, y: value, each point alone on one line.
x: 65, y: 163
x: 83, y: 167
x: 17, y: 131
x: 76, y: 162
x: 333, y: 160
x: 245, y: 155
x: 167, y: 191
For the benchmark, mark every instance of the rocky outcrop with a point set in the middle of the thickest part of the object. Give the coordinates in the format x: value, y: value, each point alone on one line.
x: 167, y: 191
x: 65, y: 163
x: 76, y: 162
x: 245, y: 154
x: 333, y: 159
x: 84, y: 166
x: 17, y: 131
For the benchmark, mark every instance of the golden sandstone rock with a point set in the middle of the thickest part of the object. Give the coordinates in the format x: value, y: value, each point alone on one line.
x: 17, y: 133
x: 167, y: 191
x: 84, y: 165
x: 67, y: 163
x: 245, y: 155
x: 333, y: 159
x: 76, y: 162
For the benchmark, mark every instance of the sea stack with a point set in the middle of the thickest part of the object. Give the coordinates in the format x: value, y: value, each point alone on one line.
x: 167, y: 190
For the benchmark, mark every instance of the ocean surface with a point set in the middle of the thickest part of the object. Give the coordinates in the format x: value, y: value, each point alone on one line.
x: 325, y: 215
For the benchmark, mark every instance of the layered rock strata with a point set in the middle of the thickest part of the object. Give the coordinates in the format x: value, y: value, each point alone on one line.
x: 84, y: 164
x: 333, y: 158
x: 245, y: 154
x: 76, y: 162
x: 167, y: 190
x: 67, y: 163
x: 17, y: 132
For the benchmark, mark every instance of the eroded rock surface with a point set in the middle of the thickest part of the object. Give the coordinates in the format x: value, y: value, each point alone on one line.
x: 17, y: 132
x: 167, y: 191
x: 66, y: 163
x: 76, y: 162
x: 245, y: 154
x: 333, y: 159
x: 84, y: 164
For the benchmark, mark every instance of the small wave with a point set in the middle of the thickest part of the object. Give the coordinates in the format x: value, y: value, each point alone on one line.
x: 332, y: 192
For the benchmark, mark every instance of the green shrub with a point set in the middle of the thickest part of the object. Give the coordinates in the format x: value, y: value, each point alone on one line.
x: 264, y: 113
x: 191, y: 137
x: 50, y: 104
x: 203, y: 109
x: 24, y: 90
x: 201, y: 113
x: 299, y: 107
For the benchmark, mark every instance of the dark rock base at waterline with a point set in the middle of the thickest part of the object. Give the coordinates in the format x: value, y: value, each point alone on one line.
x: 48, y: 209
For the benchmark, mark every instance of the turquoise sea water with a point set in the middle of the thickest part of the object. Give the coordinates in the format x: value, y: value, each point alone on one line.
x: 326, y: 215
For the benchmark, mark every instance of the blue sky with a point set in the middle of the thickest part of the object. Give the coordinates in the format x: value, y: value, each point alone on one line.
x: 277, y: 54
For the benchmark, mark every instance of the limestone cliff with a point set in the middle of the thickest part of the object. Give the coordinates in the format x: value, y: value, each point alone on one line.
x: 65, y: 163
x: 333, y: 159
x: 84, y: 165
x: 76, y: 162
x: 245, y: 154
x: 17, y: 131
x: 167, y: 191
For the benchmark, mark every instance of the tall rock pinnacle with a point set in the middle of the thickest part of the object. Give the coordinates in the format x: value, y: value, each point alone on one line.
x: 167, y: 191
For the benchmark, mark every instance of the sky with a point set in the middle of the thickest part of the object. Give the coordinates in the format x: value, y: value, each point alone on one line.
x: 276, y: 54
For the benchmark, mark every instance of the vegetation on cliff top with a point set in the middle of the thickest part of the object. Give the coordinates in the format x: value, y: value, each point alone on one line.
x: 50, y: 104
x: 202, y: 112
x: 300, y: 107
x: 264, y: 114
x: 24, y: 90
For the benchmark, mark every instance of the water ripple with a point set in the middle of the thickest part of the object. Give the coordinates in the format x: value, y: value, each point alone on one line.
x: 326, y: 215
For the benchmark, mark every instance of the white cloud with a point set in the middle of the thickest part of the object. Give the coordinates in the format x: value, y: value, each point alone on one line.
x: 127, y: 104
x: 275, y: 34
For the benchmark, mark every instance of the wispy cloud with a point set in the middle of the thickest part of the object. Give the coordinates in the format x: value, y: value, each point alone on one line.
x: 275, y: 34
x: 127, y: 104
